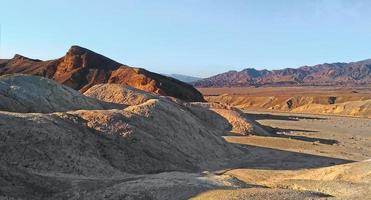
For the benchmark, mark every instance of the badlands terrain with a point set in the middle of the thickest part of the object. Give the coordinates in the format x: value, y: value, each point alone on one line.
x: 124, y: 143
x: 344, y: 101
x: 86, y: 127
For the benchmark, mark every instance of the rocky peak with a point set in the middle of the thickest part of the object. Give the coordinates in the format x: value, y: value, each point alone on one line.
x: 78, y: 56
x: 18, y: 57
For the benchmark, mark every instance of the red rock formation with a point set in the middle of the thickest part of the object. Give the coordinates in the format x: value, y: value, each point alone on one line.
x: 81, y: 68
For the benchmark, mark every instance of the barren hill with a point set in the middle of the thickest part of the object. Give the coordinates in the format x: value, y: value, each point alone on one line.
x: 354, y: 73
x: 81, y: 68
x: 25, y: 93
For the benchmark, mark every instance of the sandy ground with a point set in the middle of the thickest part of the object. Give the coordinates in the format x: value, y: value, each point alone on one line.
x: 338, y: 137
x: 306, y: 161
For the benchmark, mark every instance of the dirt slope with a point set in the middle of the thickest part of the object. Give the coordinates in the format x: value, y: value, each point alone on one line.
x: 26, y: 93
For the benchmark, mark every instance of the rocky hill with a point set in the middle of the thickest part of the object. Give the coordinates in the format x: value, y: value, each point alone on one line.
x: 81, y: 68
x: 354, y: 73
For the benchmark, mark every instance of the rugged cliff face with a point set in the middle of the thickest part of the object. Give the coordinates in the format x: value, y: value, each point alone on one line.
x: 81, y: 68
x: 354, y: 73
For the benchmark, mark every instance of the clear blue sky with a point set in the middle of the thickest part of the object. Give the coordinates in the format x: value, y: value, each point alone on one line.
x: 192, y: 37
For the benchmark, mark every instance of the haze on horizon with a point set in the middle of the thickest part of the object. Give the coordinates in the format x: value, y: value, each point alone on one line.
x: 199, y: 38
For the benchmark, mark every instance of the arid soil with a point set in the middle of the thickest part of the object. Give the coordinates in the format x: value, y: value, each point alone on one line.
x: 333, y: 136
x: 328, y: 136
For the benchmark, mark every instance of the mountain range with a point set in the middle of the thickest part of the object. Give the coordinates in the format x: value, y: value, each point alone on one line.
x: 81, y: 69
x: 354, y: 73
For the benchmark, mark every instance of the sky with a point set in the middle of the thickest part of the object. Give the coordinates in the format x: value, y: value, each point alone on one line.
x: 191, y: 37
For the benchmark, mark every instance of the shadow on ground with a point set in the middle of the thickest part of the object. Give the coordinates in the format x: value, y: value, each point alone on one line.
x: 309, y: 139
x: 285, y: 133
x: 276, y: 159
x: 257, y: 116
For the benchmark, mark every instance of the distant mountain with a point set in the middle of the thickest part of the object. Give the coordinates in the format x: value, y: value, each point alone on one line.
x: 81, y: 68
x: 184, y: 78
x: 354, y: 73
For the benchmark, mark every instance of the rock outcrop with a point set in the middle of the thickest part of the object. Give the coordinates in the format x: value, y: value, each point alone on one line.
x: 81, y: 69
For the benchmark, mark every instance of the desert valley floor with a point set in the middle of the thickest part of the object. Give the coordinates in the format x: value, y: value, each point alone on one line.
x: 332, y: 136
